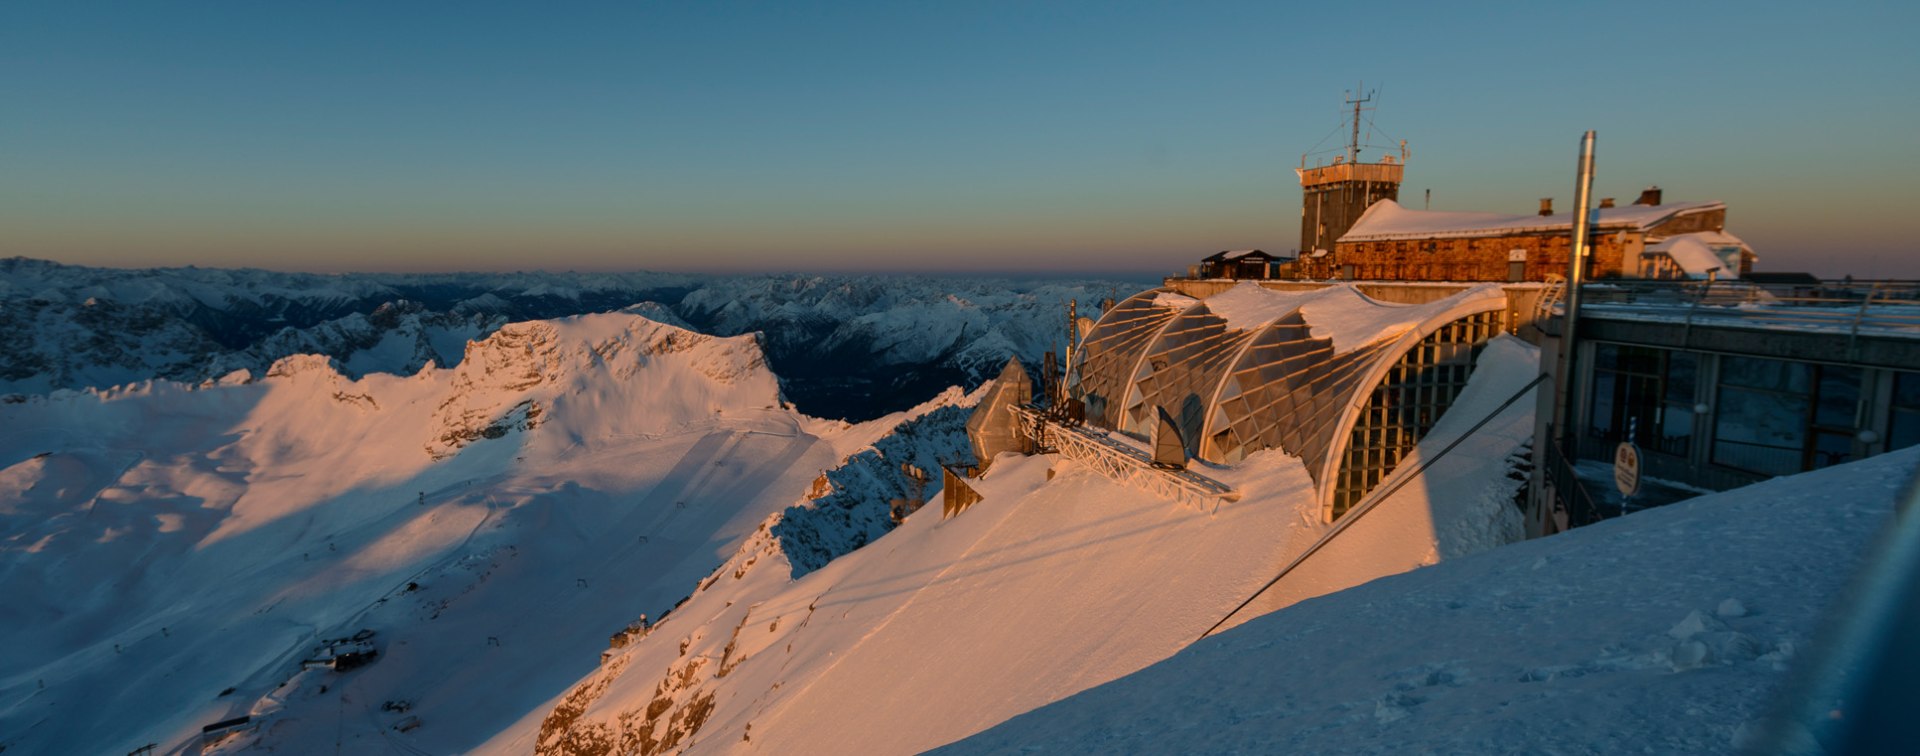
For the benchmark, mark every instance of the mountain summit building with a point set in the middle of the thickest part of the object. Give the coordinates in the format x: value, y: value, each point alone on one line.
x: 1648, y: 239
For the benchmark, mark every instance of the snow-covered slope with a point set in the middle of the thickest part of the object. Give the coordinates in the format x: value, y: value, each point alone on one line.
x: 171, y: 553
x: 1058, y: 580
x: 1667, y: 631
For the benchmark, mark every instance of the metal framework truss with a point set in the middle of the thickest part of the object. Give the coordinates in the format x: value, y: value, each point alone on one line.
x: 1125, y: 464
x: 1237, y: 387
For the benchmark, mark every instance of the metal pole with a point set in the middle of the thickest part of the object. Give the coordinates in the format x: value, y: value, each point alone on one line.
x: 1576, y: 274
x: 1073, y: 335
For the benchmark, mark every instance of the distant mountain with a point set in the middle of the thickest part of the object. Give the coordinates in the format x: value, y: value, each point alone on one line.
x: 845, y: 346
x: 173, y: 555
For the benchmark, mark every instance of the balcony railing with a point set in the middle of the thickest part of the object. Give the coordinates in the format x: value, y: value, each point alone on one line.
x: 1851, y: 307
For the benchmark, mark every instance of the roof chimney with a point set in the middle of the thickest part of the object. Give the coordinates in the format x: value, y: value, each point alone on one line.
x: 1606, y: 202
x: 1546, y: 205
x: 1649, y: 196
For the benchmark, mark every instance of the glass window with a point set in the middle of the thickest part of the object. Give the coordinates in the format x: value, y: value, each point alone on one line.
x: 1676, y: 422
x: 1641, y: 387
x: 1760, y: 431
x: 1906, y: 390
x: 1760, y: 424
x: 1760, y: 373
x: 1601, y: 422
x: 1903, y: 429
x: 1839, y: 397
x: 1832, y: 449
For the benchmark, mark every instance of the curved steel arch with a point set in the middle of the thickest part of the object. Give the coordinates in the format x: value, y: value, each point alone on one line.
x: 1474, y: 302
x: 1274, y: 385
x: 1182, y: 363
x: 1110, y: 351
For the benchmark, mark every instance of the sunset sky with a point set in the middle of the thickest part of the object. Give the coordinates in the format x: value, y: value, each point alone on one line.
x: 1100, y: 137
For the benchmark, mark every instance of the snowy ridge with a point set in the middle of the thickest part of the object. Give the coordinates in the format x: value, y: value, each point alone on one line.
x: 171, y: 552
x: 858, y: 509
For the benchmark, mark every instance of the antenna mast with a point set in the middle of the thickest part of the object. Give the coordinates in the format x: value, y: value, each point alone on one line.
x: 1353, y: 143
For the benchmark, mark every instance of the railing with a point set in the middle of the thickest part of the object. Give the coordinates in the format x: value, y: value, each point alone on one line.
x: 1124, y: 463
x: 1851, y: 307
x: 1571, y: 492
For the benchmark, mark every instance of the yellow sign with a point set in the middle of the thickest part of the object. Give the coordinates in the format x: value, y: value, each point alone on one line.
x: 1626, y: 469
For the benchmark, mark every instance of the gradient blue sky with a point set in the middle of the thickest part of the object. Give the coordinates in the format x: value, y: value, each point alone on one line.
x: 1102, y: 136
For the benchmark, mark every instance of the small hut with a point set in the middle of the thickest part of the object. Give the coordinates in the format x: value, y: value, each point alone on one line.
x: 1240, y: 264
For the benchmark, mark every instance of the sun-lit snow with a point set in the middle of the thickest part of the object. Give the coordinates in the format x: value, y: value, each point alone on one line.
x: 1668, y: 631
x: 1058, y: 580
x: 493, y: 523
x: 592, y: 533
x: 1340, y: 313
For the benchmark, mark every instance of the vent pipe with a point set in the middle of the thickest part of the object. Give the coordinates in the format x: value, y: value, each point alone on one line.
x: 1576, y: 275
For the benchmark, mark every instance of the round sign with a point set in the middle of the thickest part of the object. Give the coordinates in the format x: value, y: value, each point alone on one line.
x: 1626, y: 468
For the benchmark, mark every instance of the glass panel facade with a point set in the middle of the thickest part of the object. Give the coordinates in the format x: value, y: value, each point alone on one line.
x: 1761, y: 422
x: 1839, y: 397
x: 1681, y: 394
x: 1416, y: 391
x: 1649, y: 389
x: 1110, y: 350
x: 1903, y: 428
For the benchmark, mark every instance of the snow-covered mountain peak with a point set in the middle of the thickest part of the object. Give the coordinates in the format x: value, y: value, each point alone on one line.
x: 304, y: 367
x: 588, y: 366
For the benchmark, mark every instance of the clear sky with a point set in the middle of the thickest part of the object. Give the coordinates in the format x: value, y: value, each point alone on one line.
x: 1106, y: 137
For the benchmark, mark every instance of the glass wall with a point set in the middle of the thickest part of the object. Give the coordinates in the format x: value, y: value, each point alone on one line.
x: 1903, y: 428
x: 1777, y: 417
x: 1413, y: 395
x: 1836, y: 415
x: 1760, y: 424
x: 1769, y: 417
x: 1652, y: 390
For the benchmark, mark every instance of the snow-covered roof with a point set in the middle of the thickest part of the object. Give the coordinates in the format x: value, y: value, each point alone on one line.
x: 1341, y: 313
x: 1386, y: 220
x: 1234, y: 255
x: 1702, y: 252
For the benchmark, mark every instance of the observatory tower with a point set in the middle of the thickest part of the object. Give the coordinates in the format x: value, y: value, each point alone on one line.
x: 1333, y: 196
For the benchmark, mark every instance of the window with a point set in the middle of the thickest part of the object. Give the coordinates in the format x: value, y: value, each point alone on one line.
x: 1836, y: 413
x: 1649, y: 389
x: 1413, y: 395
x: 1903, y: 428
x: 1761, y: 423
x: 1777, y: 417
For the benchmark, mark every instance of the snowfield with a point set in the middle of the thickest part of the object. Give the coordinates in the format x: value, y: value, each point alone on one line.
x: 171, y: 554
x: 1667, y: 631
